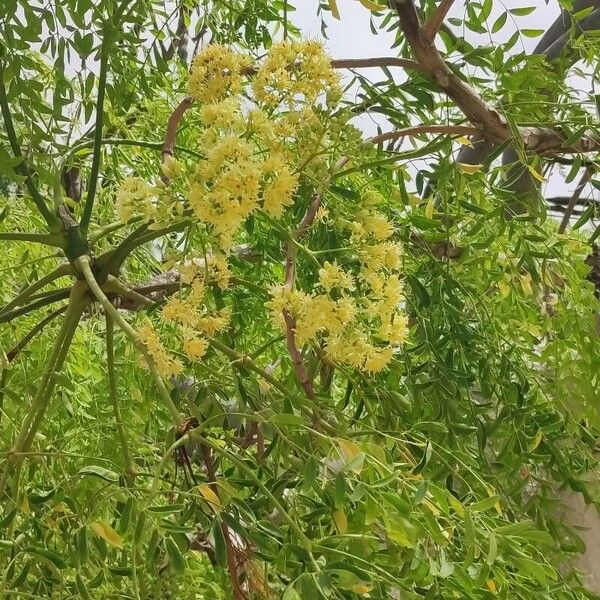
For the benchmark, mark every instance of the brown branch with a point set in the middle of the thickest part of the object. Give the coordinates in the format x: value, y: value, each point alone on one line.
x: 432, y: 26
x: 587, y: 175
x: 420, y: 129
x: 380, y: 61
x: 171, y: 133
x: 290, y: 324
x: 234, y: 562
x: 492, y: 125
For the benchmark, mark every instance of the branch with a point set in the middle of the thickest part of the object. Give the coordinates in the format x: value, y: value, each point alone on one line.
x: 383, y: 61
x: 290, y: 324
x: 83, y: 262
x: 587, y: 175
x: 420, y: 129
x: 493, y: 126
x: 89, y: 203
x: 25, y: 295
x: 432, y: 26
x: 6, y: 317
x: 14, y: 352
x: 113, y: 393
x: 47, y: 239
x: 171, y: 133
x: 22, y: 167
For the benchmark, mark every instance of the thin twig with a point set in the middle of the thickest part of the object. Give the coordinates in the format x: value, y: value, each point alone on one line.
x: 12, y: 354
x: 300, y: 370
x: 97, y: 155
x: 421, y: 129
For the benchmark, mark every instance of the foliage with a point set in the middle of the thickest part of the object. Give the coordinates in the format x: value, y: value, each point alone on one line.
x: 260, y: 356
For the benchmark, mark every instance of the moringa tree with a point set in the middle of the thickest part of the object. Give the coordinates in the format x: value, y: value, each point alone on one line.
x: 234, y: 328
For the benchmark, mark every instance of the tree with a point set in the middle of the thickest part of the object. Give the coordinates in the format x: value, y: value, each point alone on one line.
x: 235, y: 328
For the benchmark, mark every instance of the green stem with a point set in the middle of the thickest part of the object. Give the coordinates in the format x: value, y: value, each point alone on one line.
x: 6, y: 317
x: 111, y: 261
x: 83, y: 262
x: 110, y: 228
x: 47, y: 239
x: 97, y: 156
x: 135, y: 143
x: 40, y: 401
x: 22, y: 168
x: 12, y: 355
x: 26, y: 294
x: 112, y: 385
x: 118, y: 287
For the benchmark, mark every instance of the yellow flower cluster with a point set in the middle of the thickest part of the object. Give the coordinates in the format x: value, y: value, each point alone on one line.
x: 216, y: 73
x: 355, y: 313
x: 134, y: 197
x: 167, y: 366
x: 293, y: 70
x: 251, y: 152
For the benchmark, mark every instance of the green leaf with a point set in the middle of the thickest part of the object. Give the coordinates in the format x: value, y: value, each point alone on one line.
x: 532, y: 33
x: 47, y: 555
x: 499, y: 22
x: 176, y: 559
x: 100, y: 472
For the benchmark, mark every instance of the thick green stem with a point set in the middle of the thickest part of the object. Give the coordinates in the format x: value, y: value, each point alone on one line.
x: 22, y: 168
x: 47, y: 239
x: 26, y: 294
x: 51, y: 298
x: 96, y: 159
x: 116, y: 286
x: 40, y: 401
x: 111, y: 262
x: 83, y: 262
x: 112, y: 385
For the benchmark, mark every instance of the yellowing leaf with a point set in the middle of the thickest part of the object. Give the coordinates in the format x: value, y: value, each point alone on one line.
x: 504, y: 289
x: 209, y: 495
x: 535, y: 174
x: 491, y: 585
x: 369, y: 5
x: 536, y: 440
x: 340, y: 520
x: 456, y: 505
x: 431, y: 506
x: 429, y: 208
x: 335, y: 13
x: 361, y: 588
x: 107, y: 533
x: 526, y: 285
x: 468, y: 169
x: 350, y: 451
x: 464, y: 141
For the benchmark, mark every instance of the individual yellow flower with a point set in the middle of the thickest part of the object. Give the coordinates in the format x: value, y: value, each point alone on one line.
x: 134, y: 197
x: 194, y: 346
x: 279, y: 193
x: 332, y: 276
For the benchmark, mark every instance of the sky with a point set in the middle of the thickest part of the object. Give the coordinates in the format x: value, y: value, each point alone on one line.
x: 351, y: 37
